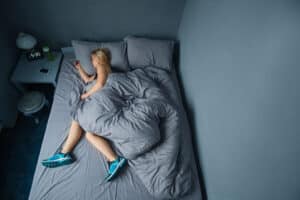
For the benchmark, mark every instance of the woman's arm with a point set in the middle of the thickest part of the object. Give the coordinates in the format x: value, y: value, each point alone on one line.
x: 84, y: 76
x: 101, y: 79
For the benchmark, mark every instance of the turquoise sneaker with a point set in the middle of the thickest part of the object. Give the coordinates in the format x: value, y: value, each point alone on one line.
x: 58, y: 159
x: 114, y: 168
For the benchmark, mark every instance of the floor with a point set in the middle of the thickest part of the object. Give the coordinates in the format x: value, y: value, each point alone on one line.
x: 20, y: 148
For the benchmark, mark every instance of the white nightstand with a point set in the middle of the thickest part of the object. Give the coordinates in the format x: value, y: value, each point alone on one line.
x: 38, y: 71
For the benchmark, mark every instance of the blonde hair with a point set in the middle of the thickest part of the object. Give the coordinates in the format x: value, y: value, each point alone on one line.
x: 103, y: 54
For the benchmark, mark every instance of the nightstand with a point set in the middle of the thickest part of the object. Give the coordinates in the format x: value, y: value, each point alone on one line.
x: 37, y: 71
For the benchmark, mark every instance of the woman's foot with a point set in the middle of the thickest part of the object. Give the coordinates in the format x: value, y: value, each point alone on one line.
x: 58, y: 159
x: 114, y: 167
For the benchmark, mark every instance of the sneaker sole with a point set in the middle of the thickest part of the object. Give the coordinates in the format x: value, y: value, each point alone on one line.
x: 112, y: 175
x: 53, y: 164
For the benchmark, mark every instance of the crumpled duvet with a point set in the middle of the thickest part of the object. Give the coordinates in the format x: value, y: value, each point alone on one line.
x: 143, y: 125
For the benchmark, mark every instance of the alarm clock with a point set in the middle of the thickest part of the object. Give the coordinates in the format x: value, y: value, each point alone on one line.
x: 34, y: 54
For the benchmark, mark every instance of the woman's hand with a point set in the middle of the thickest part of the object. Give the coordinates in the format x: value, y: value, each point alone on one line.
x: 84, y: 96
x: 77, y: 64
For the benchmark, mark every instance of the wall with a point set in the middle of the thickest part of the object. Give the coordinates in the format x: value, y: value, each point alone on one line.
x: 8, y: 54
x: 57, y: 22
x: 240, y: 68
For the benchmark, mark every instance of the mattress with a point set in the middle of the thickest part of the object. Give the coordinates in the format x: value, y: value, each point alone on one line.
x: 84, y: 178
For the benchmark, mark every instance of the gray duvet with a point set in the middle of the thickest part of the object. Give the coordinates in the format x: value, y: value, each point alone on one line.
x: 129, y: 111
x: 139, y: 113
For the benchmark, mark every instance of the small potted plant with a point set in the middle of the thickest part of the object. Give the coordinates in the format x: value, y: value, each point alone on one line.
x: 49, y: 55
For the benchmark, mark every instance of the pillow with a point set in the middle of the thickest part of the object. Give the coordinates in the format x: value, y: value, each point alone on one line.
x: 143, y: 52
x: 83, y: 51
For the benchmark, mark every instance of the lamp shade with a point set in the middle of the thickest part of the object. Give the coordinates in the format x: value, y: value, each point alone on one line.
x: 25, y: 41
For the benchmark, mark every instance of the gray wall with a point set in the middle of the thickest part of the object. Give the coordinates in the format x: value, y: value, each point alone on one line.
x: 8, y: 54
x: 57, y: 22
x: 240, y: 67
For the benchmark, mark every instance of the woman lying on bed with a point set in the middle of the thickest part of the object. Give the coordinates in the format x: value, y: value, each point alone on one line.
x: 101, y: 62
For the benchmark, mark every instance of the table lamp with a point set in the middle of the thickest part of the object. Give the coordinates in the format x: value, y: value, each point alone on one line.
x: 27, y: 43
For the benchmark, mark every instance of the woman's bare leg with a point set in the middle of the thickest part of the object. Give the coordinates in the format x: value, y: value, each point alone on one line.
x: 101, y: 145
x: 73, y: 137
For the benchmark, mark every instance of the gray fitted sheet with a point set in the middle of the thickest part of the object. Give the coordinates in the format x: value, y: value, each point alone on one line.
x: 84, y: 178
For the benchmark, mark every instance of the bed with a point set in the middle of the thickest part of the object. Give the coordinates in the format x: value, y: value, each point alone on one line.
x: 83, y: 179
